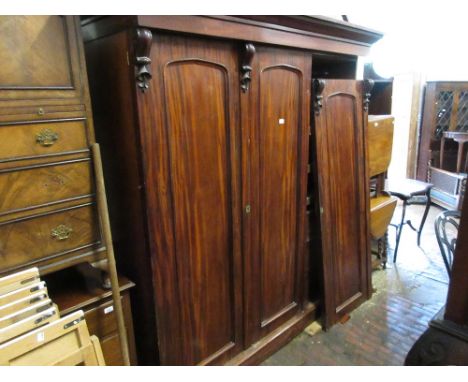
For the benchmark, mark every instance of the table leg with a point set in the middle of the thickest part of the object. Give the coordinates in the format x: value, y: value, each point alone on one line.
x: 426, y: 211
x: 399, y: 229
x: 461, y: 149
x: 461, y: 146
x: 441, y: 158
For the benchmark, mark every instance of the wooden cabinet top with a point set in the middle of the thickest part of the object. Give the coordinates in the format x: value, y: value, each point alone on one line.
x: 306, y: 32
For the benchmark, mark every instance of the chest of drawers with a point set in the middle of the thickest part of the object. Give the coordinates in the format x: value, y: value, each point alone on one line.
x: 48, y: 214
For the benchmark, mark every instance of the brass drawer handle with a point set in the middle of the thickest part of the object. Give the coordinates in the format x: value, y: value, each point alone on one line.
x: 46, y: 137
x: 62, y: 232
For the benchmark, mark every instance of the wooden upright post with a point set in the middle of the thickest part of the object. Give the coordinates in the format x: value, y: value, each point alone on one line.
x: 105, y: 224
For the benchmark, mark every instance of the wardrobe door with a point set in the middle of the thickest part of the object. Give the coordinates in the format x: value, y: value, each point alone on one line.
x: 343, y: 187
x: 277, y: 105
x: 191, y: 148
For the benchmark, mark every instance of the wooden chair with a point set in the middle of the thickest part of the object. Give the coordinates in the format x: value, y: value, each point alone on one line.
x: 447, y: 237
x: 64, y: 342
x: 382, y: 204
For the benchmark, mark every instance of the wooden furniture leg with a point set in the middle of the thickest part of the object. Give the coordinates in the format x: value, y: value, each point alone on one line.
x: 442, y: 147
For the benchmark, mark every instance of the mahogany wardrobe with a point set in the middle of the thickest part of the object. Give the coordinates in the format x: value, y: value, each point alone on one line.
x: 234, y: 155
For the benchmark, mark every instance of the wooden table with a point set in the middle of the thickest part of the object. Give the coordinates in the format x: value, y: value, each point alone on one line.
x: 461, y: 138
x: 406, y: 190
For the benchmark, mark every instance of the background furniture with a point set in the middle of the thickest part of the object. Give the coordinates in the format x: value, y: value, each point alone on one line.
x: 48, y: 215
x: 446, y: 228
x: 445, y: 109
x: 408, y: 190
x: 212, y: 155
x: 382, y: 204
x: 52, y: 212
x: 66, y: 342
x: 381, y: 93
x: 72, y: 291
x: 445, y: 342
x: 461, y: 138
x: 31, y: 332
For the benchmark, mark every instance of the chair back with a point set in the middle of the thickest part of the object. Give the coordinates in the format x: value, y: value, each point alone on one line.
x: 446, y: 230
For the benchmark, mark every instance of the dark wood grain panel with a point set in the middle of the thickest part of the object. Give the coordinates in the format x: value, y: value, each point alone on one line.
x: 200, y: 168
x: 341, y: 129
x: 45, y: 184
x: 199, y: 158
x: 279, y: 108
x: 344, y: 202
x: 117, y: 121
x: 280, y: 113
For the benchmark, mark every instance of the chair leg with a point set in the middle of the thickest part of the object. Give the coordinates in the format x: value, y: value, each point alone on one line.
x: 426, y: 211
x: 399, y: 229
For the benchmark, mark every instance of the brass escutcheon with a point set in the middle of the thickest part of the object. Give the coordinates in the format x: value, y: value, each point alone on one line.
x: 62, y: 232
x: 46, y: 137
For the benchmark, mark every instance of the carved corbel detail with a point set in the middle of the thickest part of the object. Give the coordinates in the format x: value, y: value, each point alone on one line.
x: 143, y: 41
x: 246, y: 66
x: 318, y: 86
x: 367, y: 88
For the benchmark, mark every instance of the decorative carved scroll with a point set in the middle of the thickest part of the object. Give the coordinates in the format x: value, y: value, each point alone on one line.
x: 246, y: 66
x: 143, y: 41
x: 367, y: 87
x: 318, y: 86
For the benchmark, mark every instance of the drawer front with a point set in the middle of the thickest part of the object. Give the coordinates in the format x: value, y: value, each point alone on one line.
x: 23, y: 293
x: 26, y: 188
x: 111, y: 350
x: 22, y: 303
x: 102, y: 320
x: 27, y: 241
x: 39, y: 139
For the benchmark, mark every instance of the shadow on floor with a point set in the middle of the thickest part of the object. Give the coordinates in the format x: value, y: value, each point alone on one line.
x: 382, y: 330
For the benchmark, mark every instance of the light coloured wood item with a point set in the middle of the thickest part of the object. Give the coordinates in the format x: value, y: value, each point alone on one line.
x: 380, y: 141
x: 381, y: 212
x: 105, y: 223
x: 18, y: 280
x: 24, y: 313
x: 24, y: 292
x: 28, y: 324
x: 65, y: 342
x: 22, y: 303
x: 382, y: 205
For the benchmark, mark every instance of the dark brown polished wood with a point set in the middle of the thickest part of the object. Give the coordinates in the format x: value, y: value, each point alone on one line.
x: 196, y: 223
x: 456, y: 309
x: 205, y: 137
x: 278, y: 113
x: 445, y: 342
x: 307, y: 32
x: 344, y: 203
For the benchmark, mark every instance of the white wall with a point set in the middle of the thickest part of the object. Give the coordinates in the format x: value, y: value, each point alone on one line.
x: 427, y: 46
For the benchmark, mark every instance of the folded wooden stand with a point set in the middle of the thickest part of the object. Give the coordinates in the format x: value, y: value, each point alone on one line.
x: 31, y: 332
